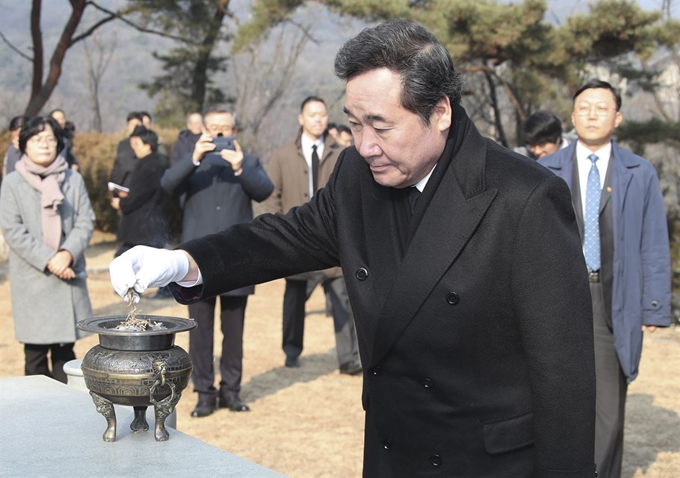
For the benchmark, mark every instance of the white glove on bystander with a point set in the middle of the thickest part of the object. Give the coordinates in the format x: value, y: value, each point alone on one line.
x: 142, y: 267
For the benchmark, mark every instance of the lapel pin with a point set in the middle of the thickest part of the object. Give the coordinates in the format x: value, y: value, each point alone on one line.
x: 609, y: 189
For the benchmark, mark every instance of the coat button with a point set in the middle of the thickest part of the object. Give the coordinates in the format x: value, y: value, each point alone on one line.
x: 654, y: 303
x: 376, y: 370
x: 436, y: 460
x: 361, y: 274
x: 452, y: 298
x: 427, y: 383
x: 387, y: 445
x: 218, y: 208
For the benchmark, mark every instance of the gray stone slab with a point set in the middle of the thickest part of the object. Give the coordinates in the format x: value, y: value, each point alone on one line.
x: 48, y: 429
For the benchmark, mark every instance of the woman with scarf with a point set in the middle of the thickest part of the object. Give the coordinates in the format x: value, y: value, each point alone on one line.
x: 47, y: 221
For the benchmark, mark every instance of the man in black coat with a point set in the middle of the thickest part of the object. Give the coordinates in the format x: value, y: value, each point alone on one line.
x: 187, y: 138
x: 464, y: 269
x: 218, y: 190
x: 144, y: 218
x: 125, y: 156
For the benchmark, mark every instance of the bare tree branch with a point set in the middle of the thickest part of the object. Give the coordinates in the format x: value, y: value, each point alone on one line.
x: 511, y: 96
x: 91, y: 30
x: 134, y: 25
x: 16, y: 50
x: 304, y: 29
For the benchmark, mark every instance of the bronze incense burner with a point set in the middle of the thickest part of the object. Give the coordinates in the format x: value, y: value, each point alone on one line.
x: 138, y: 368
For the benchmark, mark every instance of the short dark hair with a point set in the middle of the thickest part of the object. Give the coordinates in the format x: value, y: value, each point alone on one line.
x: 69, y: 130
x: 146, y: 135
x: 541, y: 127
x: 35, y: 126
x: 343, y: 129
x: 410, y: 50
x: 55, y: 110
x: 146, y: 113
x: 134, y: 115
x: 17, y: 122
x: 310, y: 99
x: 599, y: 84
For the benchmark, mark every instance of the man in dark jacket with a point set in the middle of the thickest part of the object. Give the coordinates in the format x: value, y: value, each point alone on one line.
x: 69, y: 129
x: 13, y: 154
x: 125, y: 156
x: 464, y: 268
x: 219, y: 188
x: 144, y: 209
x: 187, y: 138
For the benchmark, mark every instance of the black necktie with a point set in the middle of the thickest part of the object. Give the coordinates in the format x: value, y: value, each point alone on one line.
x: 413, y: 195
x: 315, y: 169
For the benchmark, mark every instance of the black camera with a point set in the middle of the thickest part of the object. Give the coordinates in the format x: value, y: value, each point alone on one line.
x: 223, y: 142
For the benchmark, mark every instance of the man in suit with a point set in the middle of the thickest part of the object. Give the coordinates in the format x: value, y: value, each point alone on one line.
x: 218, y: 188
x: 298, y: 170
x: 620, y: 213
x: 464, y: 269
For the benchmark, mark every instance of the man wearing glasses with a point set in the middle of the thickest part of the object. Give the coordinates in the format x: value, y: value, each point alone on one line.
x: 219, y: 188
x: 620, y: 213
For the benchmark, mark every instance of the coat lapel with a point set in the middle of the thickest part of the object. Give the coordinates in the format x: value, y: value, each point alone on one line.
x: 564, y: 164
x: 382, y: 239
x: 453, y: 214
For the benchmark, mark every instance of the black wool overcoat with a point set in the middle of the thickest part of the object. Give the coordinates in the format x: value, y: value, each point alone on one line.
x: 476, y: 341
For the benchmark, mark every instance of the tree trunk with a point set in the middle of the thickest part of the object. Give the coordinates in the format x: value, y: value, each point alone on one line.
x: 36, y: 35
x: 500, y: 132
x: 40, y: 92
x: 200, y: 77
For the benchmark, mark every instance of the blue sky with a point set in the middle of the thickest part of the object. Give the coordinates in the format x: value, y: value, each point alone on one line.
x: 563, y: 8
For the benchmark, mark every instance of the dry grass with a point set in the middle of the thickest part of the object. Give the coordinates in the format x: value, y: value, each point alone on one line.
x: 308, y: 422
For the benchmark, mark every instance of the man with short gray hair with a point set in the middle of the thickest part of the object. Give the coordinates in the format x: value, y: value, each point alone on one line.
x: 218, y: 189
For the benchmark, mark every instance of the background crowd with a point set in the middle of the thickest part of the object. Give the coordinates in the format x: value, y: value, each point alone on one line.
x: 214, y: 190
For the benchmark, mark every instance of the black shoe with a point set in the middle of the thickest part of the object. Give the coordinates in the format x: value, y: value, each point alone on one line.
x: 292, y: 362
x: 204, y: 408
x: 351, y: 368
x: 233, y: 403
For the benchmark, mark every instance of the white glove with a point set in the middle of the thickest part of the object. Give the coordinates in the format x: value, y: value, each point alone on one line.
x: 142, y: 267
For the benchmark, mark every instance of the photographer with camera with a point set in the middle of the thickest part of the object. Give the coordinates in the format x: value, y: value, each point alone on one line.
x: 219, y: 182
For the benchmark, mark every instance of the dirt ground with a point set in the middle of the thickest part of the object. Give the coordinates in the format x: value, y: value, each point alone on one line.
x: 308, y: 422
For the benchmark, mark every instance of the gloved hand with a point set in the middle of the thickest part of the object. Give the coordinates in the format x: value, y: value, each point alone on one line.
x: 142, y: 267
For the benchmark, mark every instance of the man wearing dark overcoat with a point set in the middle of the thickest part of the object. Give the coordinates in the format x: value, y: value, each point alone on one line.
x: 463, y: 265
x: 621, y: 216
x: 218, y: 188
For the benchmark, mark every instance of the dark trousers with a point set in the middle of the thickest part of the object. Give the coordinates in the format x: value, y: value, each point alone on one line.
x: 611, y: 389
x: 37, y: 362
x: 294, y: 298
x: 201, y: 343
